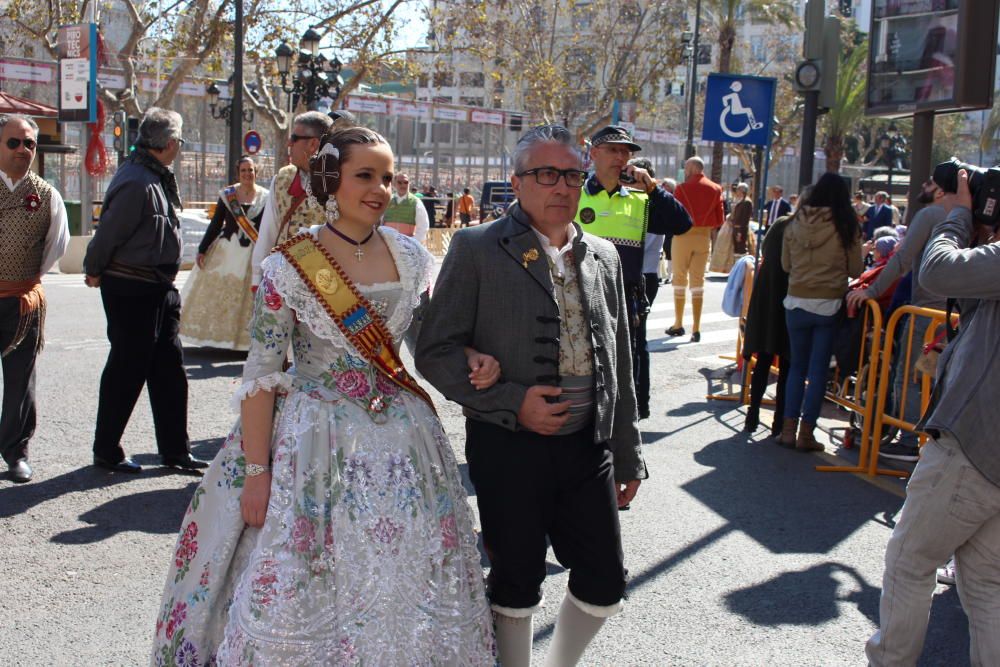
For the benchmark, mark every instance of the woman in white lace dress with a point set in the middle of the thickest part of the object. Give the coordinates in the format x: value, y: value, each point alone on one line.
x: 332, y: 528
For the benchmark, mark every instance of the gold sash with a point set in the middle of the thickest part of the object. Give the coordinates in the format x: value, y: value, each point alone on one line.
x: 351, y: 312
x: 236, y: 208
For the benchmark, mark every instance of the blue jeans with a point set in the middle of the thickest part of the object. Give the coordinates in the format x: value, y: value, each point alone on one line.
x: 811, y: 340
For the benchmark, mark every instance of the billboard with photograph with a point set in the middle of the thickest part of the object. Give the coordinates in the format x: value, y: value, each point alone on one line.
x: 931, y: 55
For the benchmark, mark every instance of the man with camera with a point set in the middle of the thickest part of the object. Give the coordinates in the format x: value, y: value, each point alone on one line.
x: 953, y: 498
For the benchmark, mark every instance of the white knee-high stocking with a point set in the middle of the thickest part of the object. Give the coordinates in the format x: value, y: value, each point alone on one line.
x: 514, y: 637
x: 575, y: 629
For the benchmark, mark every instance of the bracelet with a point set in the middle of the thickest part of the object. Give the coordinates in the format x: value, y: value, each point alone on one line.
x: 254, y: 469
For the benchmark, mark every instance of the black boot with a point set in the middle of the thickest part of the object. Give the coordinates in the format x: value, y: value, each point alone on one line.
x: 753, y: 419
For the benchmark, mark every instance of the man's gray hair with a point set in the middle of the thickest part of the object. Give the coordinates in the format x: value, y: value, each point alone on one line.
x: 158, y: 127
x: 538, y: 135
x: 317, y: 121
x: 742, y: 187
x: 643, y: 163
x: 7, y: 117
x: 696, y: 161
x: 669, y: 184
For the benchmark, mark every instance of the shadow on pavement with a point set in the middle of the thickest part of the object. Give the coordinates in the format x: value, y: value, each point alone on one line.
x: 18, y: 499
x: 203, y: 363
x: 809, y: 597
x: 158, y: 512
x: 774, y: 496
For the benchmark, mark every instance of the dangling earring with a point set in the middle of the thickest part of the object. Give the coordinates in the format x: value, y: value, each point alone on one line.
x: 332, y: 210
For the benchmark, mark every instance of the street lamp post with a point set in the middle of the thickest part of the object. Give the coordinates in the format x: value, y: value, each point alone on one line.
x: 233, y: 112
x: 693, y: 88
x: 236, y: 116
x: 316, y: 76
x: 893, y: 146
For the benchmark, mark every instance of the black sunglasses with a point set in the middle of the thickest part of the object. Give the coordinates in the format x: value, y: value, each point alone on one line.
x: 13, y: 143
x: 292, y: 138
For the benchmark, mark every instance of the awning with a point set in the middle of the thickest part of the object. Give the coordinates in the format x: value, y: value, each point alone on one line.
x: 14, y: 104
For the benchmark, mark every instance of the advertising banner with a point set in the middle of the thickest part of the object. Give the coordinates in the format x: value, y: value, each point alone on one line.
x: 77, y: 47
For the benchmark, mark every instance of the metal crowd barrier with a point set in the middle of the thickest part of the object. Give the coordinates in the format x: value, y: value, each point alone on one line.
x: 853, y: 392
x: 905, y: 365
x: 439, y: 239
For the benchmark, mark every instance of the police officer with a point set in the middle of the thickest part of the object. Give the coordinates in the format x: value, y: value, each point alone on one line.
x: 623, y: 213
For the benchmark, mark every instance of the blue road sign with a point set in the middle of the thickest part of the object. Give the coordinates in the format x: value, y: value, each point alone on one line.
x: 739, y: 109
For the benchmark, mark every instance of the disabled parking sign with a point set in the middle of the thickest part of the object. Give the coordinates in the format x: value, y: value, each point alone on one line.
x: 739, y: 109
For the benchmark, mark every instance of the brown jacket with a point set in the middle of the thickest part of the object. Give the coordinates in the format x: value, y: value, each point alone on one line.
x: 814, y: 257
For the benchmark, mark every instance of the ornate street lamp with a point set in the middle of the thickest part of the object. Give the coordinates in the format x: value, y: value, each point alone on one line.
x: 893, y: 145
x: 316, y: 77
x: 225, y: 111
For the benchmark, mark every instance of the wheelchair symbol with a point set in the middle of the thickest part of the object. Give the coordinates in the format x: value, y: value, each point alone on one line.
x: 733, y: 106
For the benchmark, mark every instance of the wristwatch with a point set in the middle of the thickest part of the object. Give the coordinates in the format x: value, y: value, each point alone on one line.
x: 254, y: 469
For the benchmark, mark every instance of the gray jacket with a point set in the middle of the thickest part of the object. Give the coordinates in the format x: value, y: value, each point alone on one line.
x: 139, y: 225
x: 907, y: 258
x: 486, y: 298
x: 964, y: 403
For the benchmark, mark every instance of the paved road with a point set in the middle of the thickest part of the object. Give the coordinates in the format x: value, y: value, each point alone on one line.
x: 739, y: 552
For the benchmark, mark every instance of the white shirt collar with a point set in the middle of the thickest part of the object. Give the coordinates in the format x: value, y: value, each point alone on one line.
x: 11, y: 185
x: 558, y: 255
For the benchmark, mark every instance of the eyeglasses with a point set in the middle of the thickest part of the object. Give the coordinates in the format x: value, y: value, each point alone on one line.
x: 292, y: 138
x: 13, y: 143
x: 180, y: 142
x: 549, y: 176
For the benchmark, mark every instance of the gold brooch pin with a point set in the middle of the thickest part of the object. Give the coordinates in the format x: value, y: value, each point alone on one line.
x: 529, y: 255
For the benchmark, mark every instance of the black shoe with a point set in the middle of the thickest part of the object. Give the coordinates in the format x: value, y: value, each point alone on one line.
x: 696, y: 337
x: 125, y: 465
x: 899, y: 451
x: 184, y: 462
x: 20, y: 471
x: 675, y: 331
x: 753, y: 420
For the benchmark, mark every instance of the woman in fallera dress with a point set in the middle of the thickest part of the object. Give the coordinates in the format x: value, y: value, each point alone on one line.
x: 217, y: 302
x: 333, y: 528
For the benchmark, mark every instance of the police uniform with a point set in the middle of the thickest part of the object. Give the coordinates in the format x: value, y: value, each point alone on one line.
x: 623, y: 216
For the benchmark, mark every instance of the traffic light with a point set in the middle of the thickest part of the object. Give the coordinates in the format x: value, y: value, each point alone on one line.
x: 120, y: 118
x: 514, y: 122
x: 817, y: 72
x: 132, y: 134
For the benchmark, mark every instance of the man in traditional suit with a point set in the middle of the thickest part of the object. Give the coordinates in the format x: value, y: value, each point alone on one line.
x: 33, y: 236
x: 554, y: 447
x: 288, y: 208
x: 879, y: 215
x: 777, y: 206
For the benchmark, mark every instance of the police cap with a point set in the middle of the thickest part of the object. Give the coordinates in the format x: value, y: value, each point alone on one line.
x: 614, y: 134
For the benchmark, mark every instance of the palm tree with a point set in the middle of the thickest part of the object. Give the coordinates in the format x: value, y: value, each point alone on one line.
x: 849, y: 109
x: 725, y: 16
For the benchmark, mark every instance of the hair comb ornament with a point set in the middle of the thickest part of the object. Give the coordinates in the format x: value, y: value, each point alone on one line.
x: 324, y: 169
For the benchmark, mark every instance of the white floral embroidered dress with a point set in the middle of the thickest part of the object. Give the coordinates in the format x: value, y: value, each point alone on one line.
x: 367, y: 555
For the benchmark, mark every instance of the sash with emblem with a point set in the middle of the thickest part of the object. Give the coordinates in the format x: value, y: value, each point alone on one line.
x: 351, y: 312
x: 236, y: 208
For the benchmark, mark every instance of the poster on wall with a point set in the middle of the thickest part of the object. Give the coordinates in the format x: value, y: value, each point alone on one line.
x: 77, y: 46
